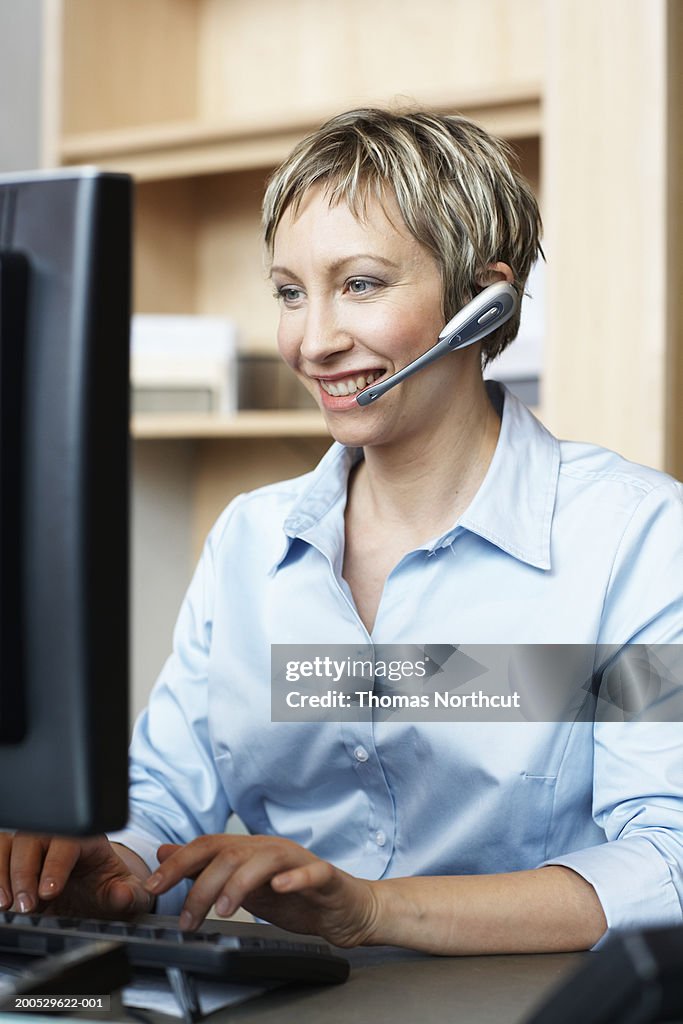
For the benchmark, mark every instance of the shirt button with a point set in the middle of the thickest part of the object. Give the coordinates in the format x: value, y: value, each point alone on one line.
x: 380, y: 838
x: 360, y: 754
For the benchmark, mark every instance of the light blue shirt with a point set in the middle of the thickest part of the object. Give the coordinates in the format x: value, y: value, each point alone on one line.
x: 563, y: 543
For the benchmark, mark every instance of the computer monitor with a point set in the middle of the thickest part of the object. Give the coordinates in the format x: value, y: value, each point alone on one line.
x: 65, y: 285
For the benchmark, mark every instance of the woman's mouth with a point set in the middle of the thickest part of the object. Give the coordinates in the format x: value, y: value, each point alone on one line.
x: 349, y: 385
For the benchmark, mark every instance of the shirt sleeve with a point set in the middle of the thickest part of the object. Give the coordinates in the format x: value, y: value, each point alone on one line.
x: 638, y: 765
x: 175, y: 792
x: 638, y: 801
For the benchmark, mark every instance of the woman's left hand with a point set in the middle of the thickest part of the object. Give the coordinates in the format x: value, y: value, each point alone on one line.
x: 274, y: 879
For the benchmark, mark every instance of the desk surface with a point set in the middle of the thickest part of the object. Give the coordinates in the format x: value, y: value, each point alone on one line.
x: 401, y: 987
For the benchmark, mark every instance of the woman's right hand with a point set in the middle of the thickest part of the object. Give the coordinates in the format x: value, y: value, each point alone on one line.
x: 74, y: 877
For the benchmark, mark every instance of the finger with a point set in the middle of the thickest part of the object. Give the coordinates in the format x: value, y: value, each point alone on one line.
x: 166, y: 850
x: 26, y: 861
x: 184, y: 862
x: 318, y: 875
x: 61, y: 858
x: 127, y: 897
x: 252, y: 874
x: 227, y: 877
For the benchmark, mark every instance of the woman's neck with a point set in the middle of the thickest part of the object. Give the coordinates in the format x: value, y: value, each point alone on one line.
x: 423, y: 485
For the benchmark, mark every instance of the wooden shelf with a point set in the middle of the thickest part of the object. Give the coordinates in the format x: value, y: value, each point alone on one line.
x: 246, y: 424
x: 251, y: 423
x: 158, y: 151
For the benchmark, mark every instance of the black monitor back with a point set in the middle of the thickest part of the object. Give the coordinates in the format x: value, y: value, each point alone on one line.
x: 65, y: 272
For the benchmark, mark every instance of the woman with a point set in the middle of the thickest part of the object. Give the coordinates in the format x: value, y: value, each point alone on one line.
x: 444, y: 513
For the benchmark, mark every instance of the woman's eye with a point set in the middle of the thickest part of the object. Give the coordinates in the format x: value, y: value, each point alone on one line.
x: 360, y: 285
x: 289, y: 294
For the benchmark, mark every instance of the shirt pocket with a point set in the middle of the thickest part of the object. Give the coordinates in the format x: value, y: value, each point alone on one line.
x: 529, y: 811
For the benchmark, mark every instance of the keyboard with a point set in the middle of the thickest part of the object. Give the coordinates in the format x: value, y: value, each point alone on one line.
x: 239, y: 959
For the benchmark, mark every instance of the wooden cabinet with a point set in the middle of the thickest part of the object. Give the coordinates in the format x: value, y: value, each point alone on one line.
x: 200, y: 99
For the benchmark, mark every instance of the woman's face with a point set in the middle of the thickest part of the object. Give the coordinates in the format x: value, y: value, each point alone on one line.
x: 359, y: 299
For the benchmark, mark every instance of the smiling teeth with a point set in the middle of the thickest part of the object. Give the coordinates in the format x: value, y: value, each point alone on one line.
x: 350, y: 385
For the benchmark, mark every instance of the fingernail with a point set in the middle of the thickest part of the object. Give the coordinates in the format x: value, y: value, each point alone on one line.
x: 223, y: 905
x: 47, y: 887
x: 24, y: 902
x: 153, y: 883
x: 185, y: 921
x: 5, y: 901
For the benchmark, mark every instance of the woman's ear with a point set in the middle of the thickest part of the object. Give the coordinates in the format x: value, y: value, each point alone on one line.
x: 495, y: 272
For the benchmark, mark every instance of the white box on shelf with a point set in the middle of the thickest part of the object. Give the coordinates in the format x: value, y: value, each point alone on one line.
x: 183, y: 363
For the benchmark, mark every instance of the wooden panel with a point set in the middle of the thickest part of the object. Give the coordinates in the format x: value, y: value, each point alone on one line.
x: 528, y: 151
x: 231, y: 260
x: 158, y: 151
x: 52, y: 74
x: 674, y: 256
x: 161, y: 554
x: 166, y: 248
x: 304, y: 55
x: 604, y: 181
x: 228, y: 468
x: 248, y: 423
x: 151, y: 154
x: 128, y: 62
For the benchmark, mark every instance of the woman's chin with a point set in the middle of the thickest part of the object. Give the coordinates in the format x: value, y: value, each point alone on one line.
x: 353, y: 435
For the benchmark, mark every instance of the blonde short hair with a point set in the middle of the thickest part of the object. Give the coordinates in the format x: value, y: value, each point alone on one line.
x: 457, y: 188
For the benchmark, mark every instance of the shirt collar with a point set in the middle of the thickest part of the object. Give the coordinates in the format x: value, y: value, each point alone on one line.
x: 512, y: 509
x: 322, y: 491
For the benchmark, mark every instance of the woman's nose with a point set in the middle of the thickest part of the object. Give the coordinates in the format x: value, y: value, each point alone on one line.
x: 323, y: 335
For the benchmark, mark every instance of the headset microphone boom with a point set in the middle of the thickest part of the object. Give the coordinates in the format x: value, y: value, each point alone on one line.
x: 484, y: 314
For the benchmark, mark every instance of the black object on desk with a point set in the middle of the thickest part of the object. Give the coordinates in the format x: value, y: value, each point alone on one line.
x: 237, y: 958
x: 65, y: 298
x: 636, y: 978
x: 92, y: 968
